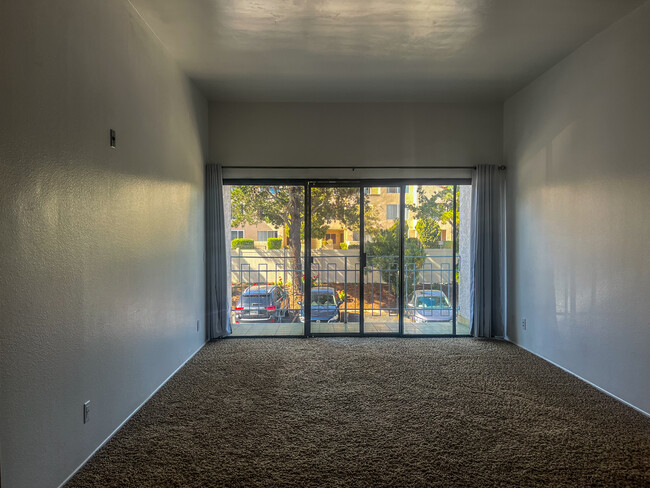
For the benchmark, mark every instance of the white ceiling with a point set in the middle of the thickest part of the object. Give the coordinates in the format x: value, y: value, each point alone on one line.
x: 362, y: 50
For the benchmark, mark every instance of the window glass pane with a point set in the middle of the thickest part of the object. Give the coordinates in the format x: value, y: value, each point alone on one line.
x: 428, y: 261
x: 381, y: 274
x: 335, y: 271
x: 264, y: 235
x: 266, y: 284
x: 255, y: 300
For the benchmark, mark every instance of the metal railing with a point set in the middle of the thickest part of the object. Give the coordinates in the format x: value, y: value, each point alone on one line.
x: 343, y: 273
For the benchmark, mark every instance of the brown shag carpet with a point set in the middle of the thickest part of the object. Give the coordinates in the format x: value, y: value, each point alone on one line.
x: 374, y: 412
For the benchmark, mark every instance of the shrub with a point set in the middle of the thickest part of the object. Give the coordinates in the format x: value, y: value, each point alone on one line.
x: 343, y: 245
x: 314, y: 280
x: 384, y: 255
x: 353, y: 246
x: 428, y: 232
x: 242, y: 244
x: 274, y: 242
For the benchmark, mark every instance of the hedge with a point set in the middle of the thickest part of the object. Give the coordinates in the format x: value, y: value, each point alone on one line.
x: 242, y: 244
x: 343, y: 245
x: 353, y: 246
x: 274, y: 242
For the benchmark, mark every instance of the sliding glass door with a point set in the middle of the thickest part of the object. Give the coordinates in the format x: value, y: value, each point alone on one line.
x: 335, y: 295
x: 429, y: 264
x: 436, y: 261
x: 353, y: 258
x: 382, y: 227
x: 266, y: 258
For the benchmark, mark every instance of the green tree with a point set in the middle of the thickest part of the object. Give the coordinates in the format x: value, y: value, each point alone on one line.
x: 333, y: 204
x: 438, y: 207
x: 283, y: 206
x: 428, y: 232
x: 383, y: 254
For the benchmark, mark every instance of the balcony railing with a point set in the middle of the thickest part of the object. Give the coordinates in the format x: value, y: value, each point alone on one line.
x: 342, y: 272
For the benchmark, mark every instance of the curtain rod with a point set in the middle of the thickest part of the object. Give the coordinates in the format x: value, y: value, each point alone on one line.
x: 353, y: 167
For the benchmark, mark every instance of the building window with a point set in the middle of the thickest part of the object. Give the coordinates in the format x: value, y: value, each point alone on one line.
x: 236, y: 234
x: 392, y: 189
x: 392, y: 212
x: 263, y: 235
x: 331, y: 237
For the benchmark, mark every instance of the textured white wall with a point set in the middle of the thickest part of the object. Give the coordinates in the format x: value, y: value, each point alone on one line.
x: 354, y: 134
x: 102, y: 249
x: 578, y: 152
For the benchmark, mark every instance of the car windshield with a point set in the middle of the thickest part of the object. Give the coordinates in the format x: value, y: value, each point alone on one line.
x: 322, y: 299
x: 254, y: 300
x: 431, y: 302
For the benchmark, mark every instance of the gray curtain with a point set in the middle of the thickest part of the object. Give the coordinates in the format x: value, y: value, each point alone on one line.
x: 217, y: 304
x: 488, y: 252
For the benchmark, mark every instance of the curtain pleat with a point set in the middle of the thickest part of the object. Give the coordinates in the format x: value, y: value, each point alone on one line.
x: 488, y: 252
x: 217, y: 304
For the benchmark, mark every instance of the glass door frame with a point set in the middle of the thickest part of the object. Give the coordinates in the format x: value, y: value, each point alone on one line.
x: 309, y: 258
x: 361, y: 184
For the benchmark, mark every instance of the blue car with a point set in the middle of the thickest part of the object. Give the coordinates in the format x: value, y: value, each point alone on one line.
x: 324, y: 305
x: 429, y: 306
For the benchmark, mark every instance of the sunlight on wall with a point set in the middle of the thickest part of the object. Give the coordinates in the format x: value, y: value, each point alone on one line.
x: 148, y: 215
x: 414, y: 29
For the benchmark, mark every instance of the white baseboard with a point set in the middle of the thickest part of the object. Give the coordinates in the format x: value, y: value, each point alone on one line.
x: 641, y: 411
x: 130, y: 415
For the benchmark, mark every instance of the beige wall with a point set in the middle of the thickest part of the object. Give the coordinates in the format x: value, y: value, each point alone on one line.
x: 250, y: 232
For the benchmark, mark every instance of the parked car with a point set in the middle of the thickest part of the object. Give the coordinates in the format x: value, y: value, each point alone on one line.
x: 324, y: 305
x: 429, y: 306
x: 261, y: 303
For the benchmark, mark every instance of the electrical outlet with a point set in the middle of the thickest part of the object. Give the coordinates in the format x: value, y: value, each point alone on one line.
x: 86, y: 412
x: 523, y: 324
x: 197, y: 325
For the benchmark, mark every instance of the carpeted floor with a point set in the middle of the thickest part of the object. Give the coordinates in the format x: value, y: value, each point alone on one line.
x: 374, y: 412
